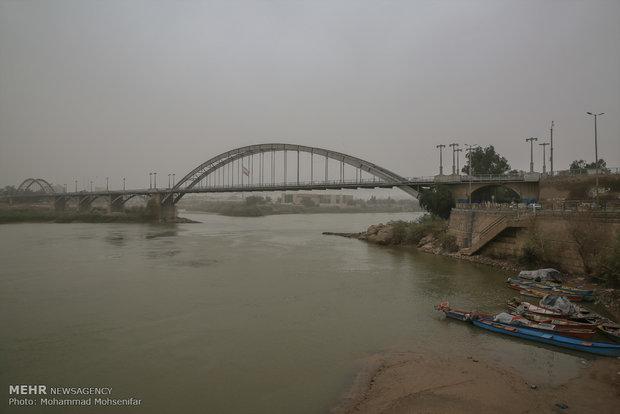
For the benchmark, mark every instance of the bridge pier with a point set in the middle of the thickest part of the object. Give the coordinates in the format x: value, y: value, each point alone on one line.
x: 162, y: 211
x: 84, y: 203
x: 58, y: 204
x: 116, y: 203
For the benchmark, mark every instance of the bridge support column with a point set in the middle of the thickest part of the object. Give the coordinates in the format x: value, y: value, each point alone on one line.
x: 58, y: 204
x: 84, y: 204
x: 162, y: 211
x: 116, y: 204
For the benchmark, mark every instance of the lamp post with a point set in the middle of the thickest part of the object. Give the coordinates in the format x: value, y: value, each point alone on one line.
x: 469, y: 148
x: 551, y: 149
x: 150, y: 180
x: 76, y: 186
x: 453, y: 145
x: 531, y: 140
x: 123, y: 183
x: 596, y: 151
x: 544, y: 144
x: 441, y: 147
x: 173, y: 179
x: 155, y: 180
x: 169, y: 176
x: 458, y: 167
x: 107, y: 183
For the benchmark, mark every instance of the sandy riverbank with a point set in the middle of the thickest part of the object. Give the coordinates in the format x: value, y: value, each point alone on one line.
x: 413, y: 383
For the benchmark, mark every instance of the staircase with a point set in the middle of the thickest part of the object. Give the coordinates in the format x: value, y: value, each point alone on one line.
x: 490, y: 232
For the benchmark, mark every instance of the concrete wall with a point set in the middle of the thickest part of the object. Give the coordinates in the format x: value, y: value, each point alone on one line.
x: 553, y: 232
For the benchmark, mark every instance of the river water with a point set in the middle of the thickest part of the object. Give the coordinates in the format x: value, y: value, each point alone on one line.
x: 234, y: 315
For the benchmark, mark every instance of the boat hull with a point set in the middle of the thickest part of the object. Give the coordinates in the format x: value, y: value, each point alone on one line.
x: 597, y: 348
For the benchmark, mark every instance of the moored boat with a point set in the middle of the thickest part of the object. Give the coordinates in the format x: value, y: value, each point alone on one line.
x: 598, y: 348
x: 518, y: 321
x: 559, y: 321
x: 612, y: 331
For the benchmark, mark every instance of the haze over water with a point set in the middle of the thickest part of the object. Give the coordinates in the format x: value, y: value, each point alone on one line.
x: 234, y: 315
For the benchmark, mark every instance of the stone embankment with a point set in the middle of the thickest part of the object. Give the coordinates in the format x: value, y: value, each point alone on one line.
x: 383, y: 234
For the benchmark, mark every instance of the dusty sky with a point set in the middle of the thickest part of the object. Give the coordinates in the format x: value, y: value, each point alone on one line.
x: 118, y: 88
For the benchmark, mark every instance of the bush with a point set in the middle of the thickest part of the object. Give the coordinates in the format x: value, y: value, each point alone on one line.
x: 608, y: 263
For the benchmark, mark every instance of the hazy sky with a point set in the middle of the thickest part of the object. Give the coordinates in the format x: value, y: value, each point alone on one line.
x: 121, y: 88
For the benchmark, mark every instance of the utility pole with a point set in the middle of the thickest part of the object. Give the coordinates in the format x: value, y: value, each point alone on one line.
x: 531, y: 140
x: 441, y: 147
x: 453, y: 145
x: 458, y: 167
x: 544, y: 144
x: 469, y: 148
x: 596, y: 151
x: 551, y: 149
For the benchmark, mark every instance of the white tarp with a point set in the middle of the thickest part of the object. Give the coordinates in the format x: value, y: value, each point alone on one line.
x: 541, y: 275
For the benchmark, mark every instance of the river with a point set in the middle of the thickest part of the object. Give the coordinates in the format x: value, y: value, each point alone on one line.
x: 234, y: 315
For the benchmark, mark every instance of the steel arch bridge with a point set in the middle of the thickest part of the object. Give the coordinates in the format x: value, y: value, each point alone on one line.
x: 219, y: 170
x: 27, y: 183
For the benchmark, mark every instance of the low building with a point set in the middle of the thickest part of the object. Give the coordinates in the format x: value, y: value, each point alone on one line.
x: 318, y: 199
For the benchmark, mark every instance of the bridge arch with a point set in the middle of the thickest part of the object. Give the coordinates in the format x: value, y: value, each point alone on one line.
x: 222, y: 160
x: 28, y: 182
x: 500, y: 193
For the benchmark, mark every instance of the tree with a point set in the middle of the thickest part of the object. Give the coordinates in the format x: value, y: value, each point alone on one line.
x: 437, y: 200
x: 579, y: 165
x: 486, y: 161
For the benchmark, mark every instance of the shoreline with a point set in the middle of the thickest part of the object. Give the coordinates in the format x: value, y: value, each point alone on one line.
x: 409, y: 382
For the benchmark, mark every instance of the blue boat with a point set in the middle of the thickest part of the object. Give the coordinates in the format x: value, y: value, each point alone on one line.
x: 598, y: 348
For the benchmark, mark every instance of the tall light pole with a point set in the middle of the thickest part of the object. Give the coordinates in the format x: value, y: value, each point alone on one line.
x: 155, y: 180
x: 458, y: 167
x: 531, y: 140
x: 544, y: 144
x: 173, y: 179
x: 123, y: 183
x: 76, y: 186
x: 551, y: 149
x: 596, y: 151
x: 107, y: 183
x: 453, y: 145
x: 150, y: 180
x: 441, y: 147
x: 469, y: 148
x: 169, y: 176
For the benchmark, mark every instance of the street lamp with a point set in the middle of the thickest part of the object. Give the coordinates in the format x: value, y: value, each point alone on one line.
x: 107, y: 183
x: 454, y: 149
x: 441, y: 147
x: 469, y: 148
x: 531, y: 140
x: 544, y: 144
x: 596, y: 150
x: 150, y: 180
x: 458, y: 167
x: 123, y: 183
x: 155, y: 180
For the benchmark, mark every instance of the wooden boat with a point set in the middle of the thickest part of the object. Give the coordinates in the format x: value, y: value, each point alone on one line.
x: 598, y: 348
x: 612, y: 331
x: 546, y: 284
x: 584, y: 315
x: 531, y: 289
x: 558, y: 321
x: 563, y: 330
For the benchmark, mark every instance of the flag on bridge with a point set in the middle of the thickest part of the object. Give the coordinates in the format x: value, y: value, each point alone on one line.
x: 246, y: 172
